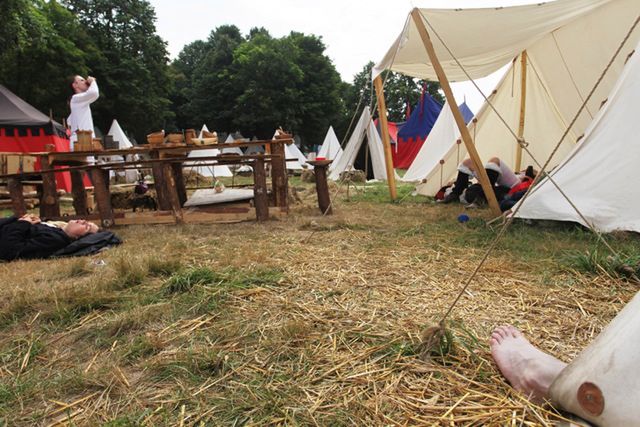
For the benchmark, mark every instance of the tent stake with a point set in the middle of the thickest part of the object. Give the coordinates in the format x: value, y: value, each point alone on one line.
x: 523, y: 103
x: 384, y: 130
x: 464, y: 131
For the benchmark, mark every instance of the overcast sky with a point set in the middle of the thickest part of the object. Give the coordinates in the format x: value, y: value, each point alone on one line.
x: 354, y: 31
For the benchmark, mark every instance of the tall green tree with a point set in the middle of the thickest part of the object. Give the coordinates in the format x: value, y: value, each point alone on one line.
x: 265, y: 71
x: 319, y: 96
x: 43, y: 44
x: 214, y: 91
x: 401, y: 92
x: 130, y: 63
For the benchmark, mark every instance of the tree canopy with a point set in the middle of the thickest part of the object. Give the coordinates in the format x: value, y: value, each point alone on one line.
x: 231, y: 81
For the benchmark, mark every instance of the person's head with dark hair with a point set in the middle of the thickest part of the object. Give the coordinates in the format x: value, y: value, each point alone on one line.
x: 530, y: 172
x: 79, y: 84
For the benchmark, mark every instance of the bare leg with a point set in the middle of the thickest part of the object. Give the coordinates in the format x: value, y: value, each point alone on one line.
x: 528, y: 369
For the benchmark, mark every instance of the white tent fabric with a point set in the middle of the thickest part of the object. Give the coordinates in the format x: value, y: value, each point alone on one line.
x: 292, y: 152
x: 130, y: 175
x: 232, y: 150
x: 199, y: 167
x: 365, y: 126
x: 595, y: 176
x: 568, y: 45
x: 330, y: 148
x: 505, y: 31
x: 440, y: 140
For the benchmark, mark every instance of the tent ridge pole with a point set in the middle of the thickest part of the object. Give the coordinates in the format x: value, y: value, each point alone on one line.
x: 384, y: 130
x: 462, y: 126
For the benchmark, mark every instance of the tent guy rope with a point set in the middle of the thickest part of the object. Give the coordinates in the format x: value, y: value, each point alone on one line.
x: 432, y: 335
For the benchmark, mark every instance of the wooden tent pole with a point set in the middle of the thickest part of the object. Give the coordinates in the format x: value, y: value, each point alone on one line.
x: 523, y: 103
x: 464, y: 131
x: 384, y: 131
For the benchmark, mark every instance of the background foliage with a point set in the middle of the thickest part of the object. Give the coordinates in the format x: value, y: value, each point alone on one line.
x: 231, y: 81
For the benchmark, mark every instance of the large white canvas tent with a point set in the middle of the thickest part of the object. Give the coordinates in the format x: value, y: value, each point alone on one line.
x: 364, y: 127
x: 330, y: 148
x: 200, y: 166
x: 118, y: 135
x: 568, y: 44
x: 598, y: 175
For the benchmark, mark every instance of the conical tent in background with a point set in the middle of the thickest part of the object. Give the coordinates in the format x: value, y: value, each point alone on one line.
x: 330, y: 148
x: 598, y: 176
x: 413, y: 133
x: 200, y: 168
x: 115, y: 131
x: 562, y: 66
x: 365, y: 127
x: 232, y: 150
x: 292, y: 152
x: 441, y: 140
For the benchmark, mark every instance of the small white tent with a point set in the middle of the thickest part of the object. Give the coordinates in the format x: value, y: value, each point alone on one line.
x: 568, y: 44
x: 200, y: 167
x: 364, y: 127
x: 292, y: 152
x: 330, y: 148
x: 232, y: 150
x: 441, y: 139
x: 598, y: 176
x: 118, y: 135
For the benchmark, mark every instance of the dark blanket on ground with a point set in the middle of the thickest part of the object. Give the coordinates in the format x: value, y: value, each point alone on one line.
x: 89, y: 244
x: 23, y: 240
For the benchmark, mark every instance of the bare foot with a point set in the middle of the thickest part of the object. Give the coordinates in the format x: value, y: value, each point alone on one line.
x: 527, y: 369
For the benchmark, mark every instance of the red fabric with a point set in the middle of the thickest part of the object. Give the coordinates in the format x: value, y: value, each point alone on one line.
x: 33, y: 144
x: 406, y: 152
x: 526, y: 183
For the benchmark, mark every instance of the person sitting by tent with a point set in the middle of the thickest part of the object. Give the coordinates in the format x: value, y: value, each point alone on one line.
x: 28, y: 237
x: 500, y: 175
x: 599, y: 385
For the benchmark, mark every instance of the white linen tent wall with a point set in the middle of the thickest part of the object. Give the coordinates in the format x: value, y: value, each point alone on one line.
x: 345, y: 162
x: 596, y: 175
x: 330, y: 148
x: 115, y: 131
x: 198, y: 166
x: 568, y: 44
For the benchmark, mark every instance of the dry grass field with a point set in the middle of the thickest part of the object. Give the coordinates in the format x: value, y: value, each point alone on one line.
x: 308, y: 320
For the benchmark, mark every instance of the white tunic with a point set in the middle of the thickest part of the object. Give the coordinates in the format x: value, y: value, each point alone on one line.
x: 80, y: 117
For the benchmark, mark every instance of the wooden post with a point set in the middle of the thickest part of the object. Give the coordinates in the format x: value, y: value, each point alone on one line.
x: 79, y: 193
x: 464, y: 131
x: 102, y: 196
x: 260, y: 190
x: 180, y: 185
x: 279, y: 178
x: 17, y: 197
x: 49, y: 206
x: 171, y: 192
x: 320, y: 171
x: 384, y: 130
x: 158, y: 183
x: 523, y: 104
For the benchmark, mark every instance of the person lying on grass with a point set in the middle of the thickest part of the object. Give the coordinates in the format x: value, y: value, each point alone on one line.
x: 28, y: 237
